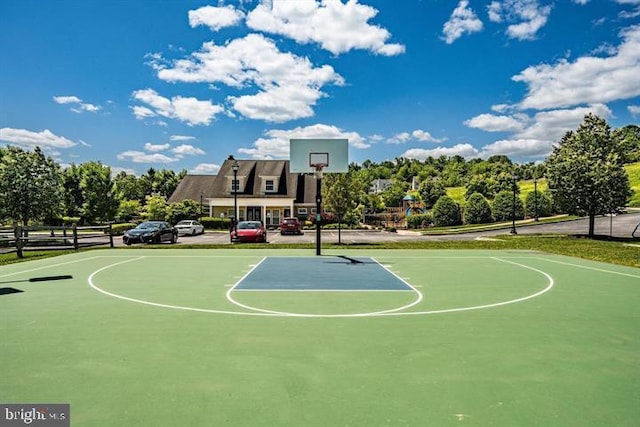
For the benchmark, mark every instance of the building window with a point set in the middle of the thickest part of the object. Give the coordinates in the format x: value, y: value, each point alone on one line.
x: 235, y: 185
x: 302, y: 211
x: 269, y: 186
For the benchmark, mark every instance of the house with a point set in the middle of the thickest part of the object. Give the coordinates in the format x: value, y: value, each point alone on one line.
x: 263, y: 190
x: 379, y: 185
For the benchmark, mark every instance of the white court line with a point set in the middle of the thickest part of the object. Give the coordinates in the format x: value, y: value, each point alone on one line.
x: 261, y: 312
x: 50, y: 266
x: 498, y: 304
x: 589, y: 268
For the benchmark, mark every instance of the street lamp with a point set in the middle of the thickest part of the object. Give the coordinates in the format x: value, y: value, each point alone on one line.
x: 513, y: 206
x: 535, y: 199
x: 234, y: 186
x: 201, y: 196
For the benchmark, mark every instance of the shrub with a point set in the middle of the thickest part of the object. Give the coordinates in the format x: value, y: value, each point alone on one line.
x: 503, y: 206
x: 119, y: 229
x: 446, y: 212
x: 214, y: 223
x: 419, y: 220
x: 477, y: 210
x: 543, y: 202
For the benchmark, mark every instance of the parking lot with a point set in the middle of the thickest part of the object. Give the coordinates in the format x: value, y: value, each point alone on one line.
x: 620, y: 226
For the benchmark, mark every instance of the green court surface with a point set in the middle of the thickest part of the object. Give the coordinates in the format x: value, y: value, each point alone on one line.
x: 235, y: 337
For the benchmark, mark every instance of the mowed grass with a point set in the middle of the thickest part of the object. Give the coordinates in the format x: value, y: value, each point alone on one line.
x: 633, y: 171
x: 570, y: 356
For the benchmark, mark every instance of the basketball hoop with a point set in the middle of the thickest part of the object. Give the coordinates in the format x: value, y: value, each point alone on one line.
x: 318, y: 161
x: 318, y: 169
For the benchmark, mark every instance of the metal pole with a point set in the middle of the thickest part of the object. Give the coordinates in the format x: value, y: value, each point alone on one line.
x: 235, y: 198
x: 513, y: 208
x: 318, y: 212
x: 535, y: 199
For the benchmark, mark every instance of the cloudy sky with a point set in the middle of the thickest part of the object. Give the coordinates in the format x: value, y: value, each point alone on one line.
x: 182, y: 84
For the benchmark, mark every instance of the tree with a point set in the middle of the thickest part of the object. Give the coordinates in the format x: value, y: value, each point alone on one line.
x: 446, y: 212
x: 393, y: 195
x: 128, y: 187
x: 72, y: 198
x: 99, y: 202
x: 504, y: 208
x: 477, y: 210
x: 128, y: 210
x: 628, y: 141
x: 585, y: 172
x: 30, y: 185
x: 186, y: 209
x: 156, y: 207
x: 341, y: 194
x: 430, y: 191
x: 537, y: 203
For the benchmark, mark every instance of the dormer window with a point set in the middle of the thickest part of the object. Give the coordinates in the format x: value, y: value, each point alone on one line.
x: 236, y: 186
x: 269, y: 184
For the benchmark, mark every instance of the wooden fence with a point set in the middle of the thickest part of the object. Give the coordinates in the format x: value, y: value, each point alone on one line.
x: 24, y: 238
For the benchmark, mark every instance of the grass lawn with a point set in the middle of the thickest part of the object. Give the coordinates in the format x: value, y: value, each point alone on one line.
x: 633, y: 170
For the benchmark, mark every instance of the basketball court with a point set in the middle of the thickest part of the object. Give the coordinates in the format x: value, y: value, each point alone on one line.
x: 231, y: 337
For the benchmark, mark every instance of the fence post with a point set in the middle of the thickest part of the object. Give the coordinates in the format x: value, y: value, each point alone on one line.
x: 110, y: 235
x: 75, y: 236
x: 17, y: 233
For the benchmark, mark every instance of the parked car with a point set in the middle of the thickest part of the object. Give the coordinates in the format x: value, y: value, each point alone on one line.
x: 151, y: 232
x: 189, y: 226
x: 290, y: 226
x: 249, y: 231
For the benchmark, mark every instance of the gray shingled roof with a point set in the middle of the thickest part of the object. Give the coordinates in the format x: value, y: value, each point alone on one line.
x: 301, y: 188
x: 192, y: 186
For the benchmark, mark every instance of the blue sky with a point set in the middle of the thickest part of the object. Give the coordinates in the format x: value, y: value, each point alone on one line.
x: 182, y: 84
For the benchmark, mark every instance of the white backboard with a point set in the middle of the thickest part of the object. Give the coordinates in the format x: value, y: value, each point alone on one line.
x: 303, y: 152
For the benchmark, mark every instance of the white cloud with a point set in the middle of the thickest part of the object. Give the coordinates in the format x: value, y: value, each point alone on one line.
x: 525, y: 17
x: 142, y: 157
x: 78, y: 105
x: 399, y: 138
x: 205, y: 169
x: 465, y: 150
x: 417, y: 135
x: 634, y: 110
x: 552, y: 125
x: 181, y: 138
x: 276, y: 142
x: 287, y: 85
x: 187, y: 150
x: 336, y: 26
x: 27, y: 138
x: 582, y: 2
x: 493, y: 123
x: 518, y: 148
x: 156, y: 148
x: 422, y: 135
x: 215, y: 17
x: 587, y: 80
x: 67, y: 100
x: 189, y: 110
x: 462, y: 20
x: 537, y: 134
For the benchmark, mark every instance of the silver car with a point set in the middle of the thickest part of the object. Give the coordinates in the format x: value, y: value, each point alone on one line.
x: 189, y: 226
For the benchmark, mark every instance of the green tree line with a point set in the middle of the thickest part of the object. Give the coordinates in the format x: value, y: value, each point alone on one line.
x: 584, y: 175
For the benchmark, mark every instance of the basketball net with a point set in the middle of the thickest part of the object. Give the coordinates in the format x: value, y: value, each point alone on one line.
x: 318, y: 167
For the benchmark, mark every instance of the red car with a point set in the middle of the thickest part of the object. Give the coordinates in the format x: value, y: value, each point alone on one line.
x: 290, y: 226
x: 249, y: 231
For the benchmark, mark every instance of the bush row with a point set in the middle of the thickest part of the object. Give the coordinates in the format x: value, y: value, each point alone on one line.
x: 478, y: 210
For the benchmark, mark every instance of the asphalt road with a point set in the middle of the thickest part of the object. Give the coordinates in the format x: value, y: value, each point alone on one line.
x: 620, y: 226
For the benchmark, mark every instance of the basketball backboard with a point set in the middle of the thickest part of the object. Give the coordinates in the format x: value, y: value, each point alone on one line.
x: 333, y: 153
